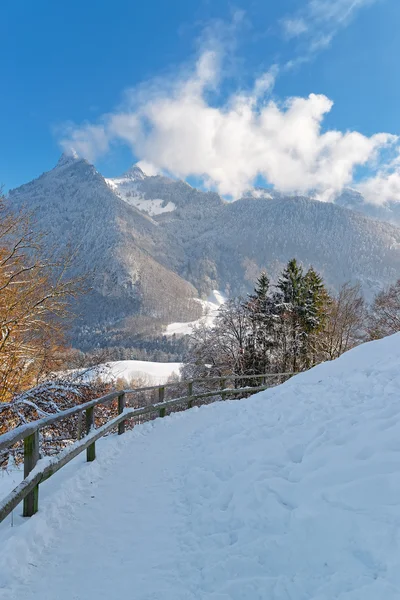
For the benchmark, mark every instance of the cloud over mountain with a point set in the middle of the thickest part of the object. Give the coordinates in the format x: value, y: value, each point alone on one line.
x: 186, y: 126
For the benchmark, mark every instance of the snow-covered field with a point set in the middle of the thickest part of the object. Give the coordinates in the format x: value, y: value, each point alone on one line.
x: 154, y: 373
x: 293, y: 494
x: 147, y: 372
x: 210, y: 310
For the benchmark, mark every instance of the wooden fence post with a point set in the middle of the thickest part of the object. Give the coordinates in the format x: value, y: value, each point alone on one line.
x: 161, y: 394
x: 222, y: 385
x: 121, y: 408
x: 31, y: 456
x: 90, y: 450
x: 190, y: 393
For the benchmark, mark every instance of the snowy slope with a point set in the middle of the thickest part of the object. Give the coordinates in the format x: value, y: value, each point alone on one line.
x: 293, y: 494
x: 210, y: 310
x: 126, y: 188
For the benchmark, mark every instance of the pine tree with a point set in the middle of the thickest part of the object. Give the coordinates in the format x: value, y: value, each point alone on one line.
x: 289, y: 303
x: 291, y: 284
x: 290, y: 328
x: 315, y: 314
x: 261, y: 290
x: 259, y: 340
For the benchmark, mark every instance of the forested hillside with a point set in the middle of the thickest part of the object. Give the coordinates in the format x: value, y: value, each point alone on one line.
x: 151, y: 246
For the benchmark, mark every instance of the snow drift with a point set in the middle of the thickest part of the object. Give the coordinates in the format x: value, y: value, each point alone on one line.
x: 291, y: 494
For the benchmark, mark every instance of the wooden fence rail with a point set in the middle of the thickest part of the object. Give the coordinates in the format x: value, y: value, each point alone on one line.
x: 36, y: 471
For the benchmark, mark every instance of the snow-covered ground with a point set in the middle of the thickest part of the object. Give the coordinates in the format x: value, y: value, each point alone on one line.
x: 151, y: 373
x: 126, y: 188
x: 293, y: 494
x: 210, y: 310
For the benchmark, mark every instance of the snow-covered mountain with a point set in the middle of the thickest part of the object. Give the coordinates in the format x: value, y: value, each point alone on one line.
x: 154, y: 245
x: 115, y: 244
x: 389, y: 212
x: 126, y: 187
x: 341, y: 244
x: 347, y: 198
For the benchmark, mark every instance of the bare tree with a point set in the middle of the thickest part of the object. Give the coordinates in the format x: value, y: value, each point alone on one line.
x: 345, y: 323
x: 219, y: 350
x: 384, y: 316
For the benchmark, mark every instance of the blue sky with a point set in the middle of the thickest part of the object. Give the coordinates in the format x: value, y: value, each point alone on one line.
x: 106, y: 78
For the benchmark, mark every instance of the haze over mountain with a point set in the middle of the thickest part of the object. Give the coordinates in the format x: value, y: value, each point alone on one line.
x: 353, y: 199
x: 152, y: 245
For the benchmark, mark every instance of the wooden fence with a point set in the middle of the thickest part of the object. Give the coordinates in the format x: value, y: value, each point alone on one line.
x: 36, y: 472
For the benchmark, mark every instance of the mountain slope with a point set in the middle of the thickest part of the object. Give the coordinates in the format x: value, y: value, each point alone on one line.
x: 388, y: 212
x: 224, y: 245
x: 342, y: 245
x: 290, y: 494
x: 173, y: 195
x: 114, y: 243
x: 153, y: 243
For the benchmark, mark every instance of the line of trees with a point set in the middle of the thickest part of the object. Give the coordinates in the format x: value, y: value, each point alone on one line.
x: 289, y: 327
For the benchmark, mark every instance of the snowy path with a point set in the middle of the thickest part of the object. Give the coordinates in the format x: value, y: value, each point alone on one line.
x: 291, y: 495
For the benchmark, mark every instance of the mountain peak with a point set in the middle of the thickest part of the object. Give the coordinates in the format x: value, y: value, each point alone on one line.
x: 68, y: 158
x: 135, y: 173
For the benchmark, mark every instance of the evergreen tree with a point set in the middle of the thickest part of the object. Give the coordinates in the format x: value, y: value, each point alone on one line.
x: 289, y: 304
x: 261, y: 290
x: 292, y: 327
x: 259, y: 341
x: 291, y: 284
x: 315, y: 314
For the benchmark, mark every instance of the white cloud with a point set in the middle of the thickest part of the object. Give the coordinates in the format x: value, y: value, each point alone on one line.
x: 265, y: 83
x: 148, y: 168
x: 384, y: 185
x: 89, y: 140
x: 317, y: 23
x: 293, y: 27
x: 334, y: 11
x: 174, y: 127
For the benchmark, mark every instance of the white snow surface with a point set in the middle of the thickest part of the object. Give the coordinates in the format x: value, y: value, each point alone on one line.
x: 153, y: 373
x: 126, y: 188
x: 210, y: 310
x: 293, y: 494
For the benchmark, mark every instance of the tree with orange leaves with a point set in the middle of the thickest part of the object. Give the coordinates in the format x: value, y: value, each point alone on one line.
x: 34, y: 296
